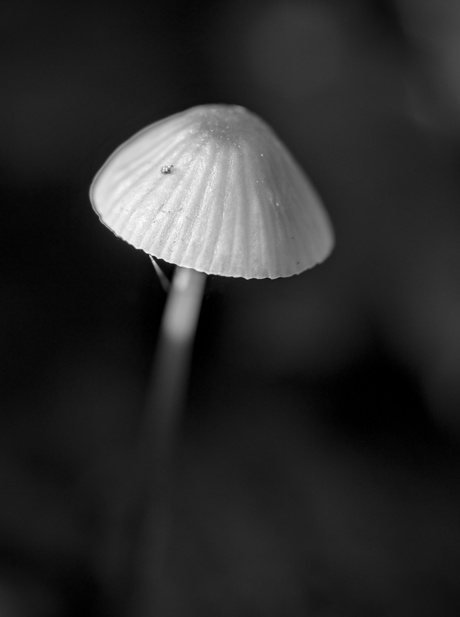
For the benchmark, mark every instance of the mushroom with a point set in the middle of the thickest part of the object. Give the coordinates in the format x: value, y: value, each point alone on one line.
x: 214, y: 189
x: 215, y: 192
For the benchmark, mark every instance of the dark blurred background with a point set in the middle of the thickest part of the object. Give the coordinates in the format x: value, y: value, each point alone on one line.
x: 319, y: 460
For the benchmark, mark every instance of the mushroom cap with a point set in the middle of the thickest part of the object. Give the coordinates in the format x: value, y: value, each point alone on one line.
x: 213, y: 189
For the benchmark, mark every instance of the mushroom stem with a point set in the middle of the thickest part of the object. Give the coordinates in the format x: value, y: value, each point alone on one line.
x: 164, y: 403
x: 171, y: 364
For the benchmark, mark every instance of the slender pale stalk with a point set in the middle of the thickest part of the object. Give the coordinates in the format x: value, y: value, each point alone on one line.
x: 164, y: 404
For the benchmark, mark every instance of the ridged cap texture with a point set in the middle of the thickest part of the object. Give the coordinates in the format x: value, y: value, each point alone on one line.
x: 213, y: 189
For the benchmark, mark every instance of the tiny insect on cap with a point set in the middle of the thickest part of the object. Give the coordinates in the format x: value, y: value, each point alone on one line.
x: 213, y: 189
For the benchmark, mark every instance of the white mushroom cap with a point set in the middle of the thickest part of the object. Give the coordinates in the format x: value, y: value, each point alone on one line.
x: 213, y: 189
